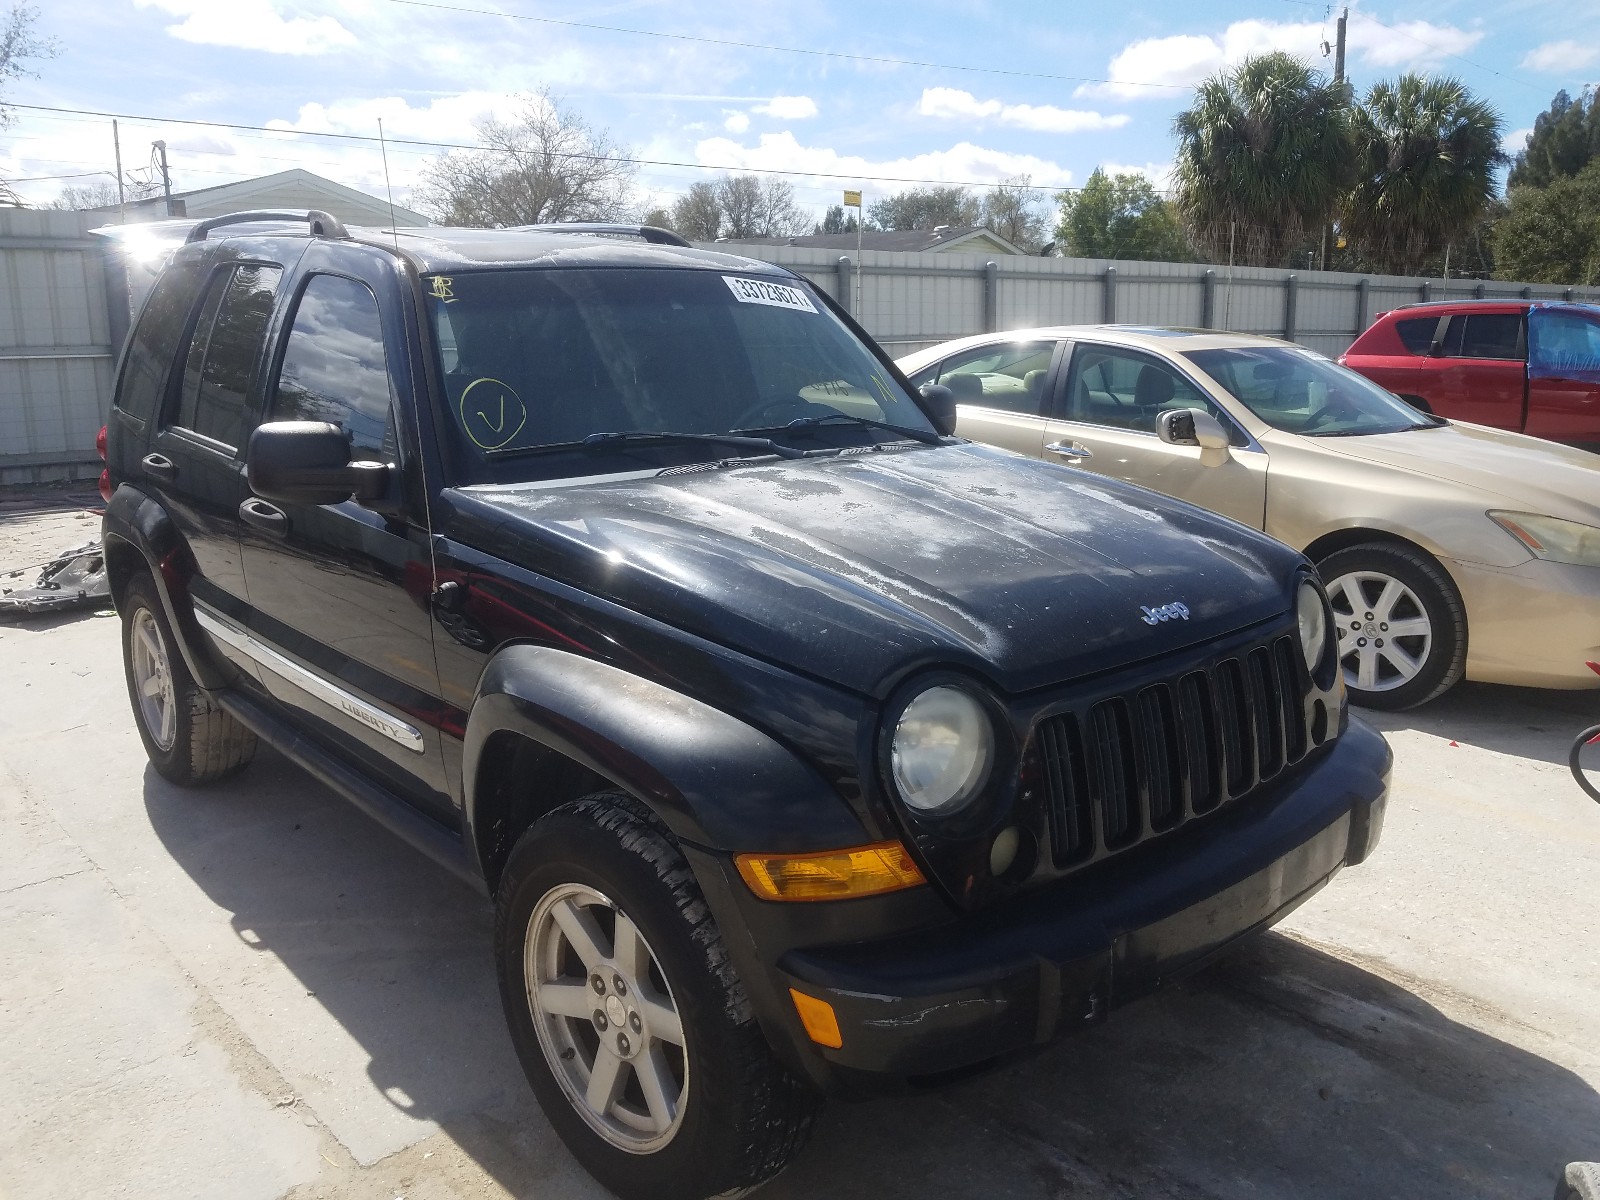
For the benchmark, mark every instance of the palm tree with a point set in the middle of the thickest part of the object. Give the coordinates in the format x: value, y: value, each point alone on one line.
x: 1263, y: 159
x: 1426, y: 154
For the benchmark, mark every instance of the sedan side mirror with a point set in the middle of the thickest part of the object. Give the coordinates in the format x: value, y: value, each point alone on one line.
x: 308, y: 462
x: 940, y: 404
x: 1191, y: 427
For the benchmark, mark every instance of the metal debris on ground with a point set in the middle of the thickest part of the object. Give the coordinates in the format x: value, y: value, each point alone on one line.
x: 72, y: 579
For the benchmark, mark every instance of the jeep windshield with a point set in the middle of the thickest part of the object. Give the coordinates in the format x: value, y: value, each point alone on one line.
x: 1299, y: 391
x: 544, y: 367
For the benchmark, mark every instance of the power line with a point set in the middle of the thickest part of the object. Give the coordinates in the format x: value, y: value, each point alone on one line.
x: 834, y: 54
x: 640, y: 162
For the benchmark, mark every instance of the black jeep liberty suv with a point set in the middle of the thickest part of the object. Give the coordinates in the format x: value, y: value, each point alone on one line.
x: 800, y: 745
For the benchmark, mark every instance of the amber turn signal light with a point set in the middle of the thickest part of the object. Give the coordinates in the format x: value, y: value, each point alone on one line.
x: 822, y: 1025
x: 832, y: 874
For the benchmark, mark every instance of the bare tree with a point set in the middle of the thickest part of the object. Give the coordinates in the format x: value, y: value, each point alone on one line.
x: 18, y: 43
x: 545, y: 164
x: 1011, y: 210
x: 78, y: 197
x: 696, y: 214
x: 756, y: 207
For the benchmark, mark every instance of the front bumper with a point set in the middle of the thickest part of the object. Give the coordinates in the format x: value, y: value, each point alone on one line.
x: 1533, y: 625
x: 957, y: 994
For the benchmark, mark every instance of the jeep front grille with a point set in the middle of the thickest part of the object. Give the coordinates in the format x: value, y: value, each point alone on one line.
x: 1132, y: 766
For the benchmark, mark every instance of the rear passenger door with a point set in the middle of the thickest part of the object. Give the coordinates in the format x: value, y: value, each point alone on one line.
x: 1478, y: 371
x: 339, y: 593
x: 1000, y: 388
x: 1564, y: 375
x: 195, y: 461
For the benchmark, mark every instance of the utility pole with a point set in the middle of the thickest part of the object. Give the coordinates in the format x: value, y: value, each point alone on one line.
x: 1338, y: 83
x: 166, y: 176
x: 122, y: 197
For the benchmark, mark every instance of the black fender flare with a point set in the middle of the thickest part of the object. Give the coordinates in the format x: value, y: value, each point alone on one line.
x: 715, y: 781
x: 139, y: 524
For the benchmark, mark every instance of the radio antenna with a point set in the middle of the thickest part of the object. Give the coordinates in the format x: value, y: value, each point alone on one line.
x: 388, y: 187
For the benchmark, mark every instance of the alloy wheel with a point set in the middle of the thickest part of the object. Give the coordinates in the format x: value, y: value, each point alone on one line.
x: 152, y: 679
x: 606, y: 1018
x: 1385, y: 634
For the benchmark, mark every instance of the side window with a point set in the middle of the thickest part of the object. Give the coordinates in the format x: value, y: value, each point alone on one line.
x: 334, y: 367
x: 1416, y: 333
x: 1128, y: 390
x: 1486, y: 335
x: 1009, y: 377
x: 155, y: 342
x: 222, y: 352
x: 1562, y: 343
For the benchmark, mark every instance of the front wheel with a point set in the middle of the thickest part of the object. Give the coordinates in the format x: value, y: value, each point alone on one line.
x: 633, y: 1029
x: 1401, y: 624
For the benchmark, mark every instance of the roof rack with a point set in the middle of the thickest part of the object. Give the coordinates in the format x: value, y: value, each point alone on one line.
x: 322, y: 224
x: 650, y: 233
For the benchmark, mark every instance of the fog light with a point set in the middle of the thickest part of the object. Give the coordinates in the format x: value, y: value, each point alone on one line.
x: 1003, y: 851
x: 822, y: 1025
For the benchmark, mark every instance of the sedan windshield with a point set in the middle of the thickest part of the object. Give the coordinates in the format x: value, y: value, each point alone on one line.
x: 1299, y: 391
x: 543, y: 367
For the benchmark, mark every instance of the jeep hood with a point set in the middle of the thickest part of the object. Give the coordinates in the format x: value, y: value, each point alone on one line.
x: 860, y: 567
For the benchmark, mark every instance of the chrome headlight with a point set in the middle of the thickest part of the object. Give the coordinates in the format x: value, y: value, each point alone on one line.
x: 1553, y: 539
x: 1312, y: 613
x: 942, y: 749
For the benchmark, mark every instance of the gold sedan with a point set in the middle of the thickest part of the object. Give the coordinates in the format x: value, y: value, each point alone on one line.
x: 1448, y: 549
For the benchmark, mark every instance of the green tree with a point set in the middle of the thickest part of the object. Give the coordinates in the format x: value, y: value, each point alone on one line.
x: 1264, y: 157
x: 925, y: 208
x: 835, y: 221
x: 1426, y: 154
x: 1012, y: 210
x: 696, y: 214
x: 1119, y: 216
x: 1565, y: 137
x: 1552, y: 234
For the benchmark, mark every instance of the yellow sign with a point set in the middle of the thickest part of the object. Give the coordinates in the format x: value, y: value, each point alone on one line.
x: 853, y: 199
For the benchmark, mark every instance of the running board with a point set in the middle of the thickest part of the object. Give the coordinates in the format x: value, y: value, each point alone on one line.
x: 378, y: 802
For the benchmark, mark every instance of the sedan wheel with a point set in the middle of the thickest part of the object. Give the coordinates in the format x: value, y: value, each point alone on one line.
x: 606, y: 1019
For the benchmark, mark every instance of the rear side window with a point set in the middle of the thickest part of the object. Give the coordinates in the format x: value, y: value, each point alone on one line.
x: 222, y: 352
x: 1486, y: 335
x: 334, y: 367
x: 1416, y: 334
x: 1010, y: 376
x: 155, y: 341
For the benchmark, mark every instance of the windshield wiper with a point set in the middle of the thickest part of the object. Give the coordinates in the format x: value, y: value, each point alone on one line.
x: 926, y: 436
x: 601, y: 441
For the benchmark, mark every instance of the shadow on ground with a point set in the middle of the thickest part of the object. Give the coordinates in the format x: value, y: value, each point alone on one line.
x: 1280, y: 1072
x: 1530, y: 723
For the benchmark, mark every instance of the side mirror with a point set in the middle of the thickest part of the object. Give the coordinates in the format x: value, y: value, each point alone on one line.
x: 940, y: 405
x: 1191, y: 427
x: 308, y: 462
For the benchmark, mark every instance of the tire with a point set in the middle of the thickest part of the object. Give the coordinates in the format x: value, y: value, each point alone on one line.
x: 1377, y: 584
x: 190, y: 740
x: 1580, y: 1181
x: 740, y: 1115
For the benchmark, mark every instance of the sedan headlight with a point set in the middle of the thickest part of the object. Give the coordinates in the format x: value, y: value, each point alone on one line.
x: 1312, y: 613
x: 1553, y: 539
x: 941, y: 751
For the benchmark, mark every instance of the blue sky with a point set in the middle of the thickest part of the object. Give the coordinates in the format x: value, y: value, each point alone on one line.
x: 307, y: 67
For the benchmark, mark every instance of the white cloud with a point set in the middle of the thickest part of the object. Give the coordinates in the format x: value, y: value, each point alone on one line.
x: 736, y: 122
x: 962, y: 163
x: 1159, y: 174
x: 1184, y: 60
x: 445, y: 119
x: 1559, y: 57
x: 252, y: 25
x: 954, y: 104
x: 787, y: 108
x: 1516, y: 141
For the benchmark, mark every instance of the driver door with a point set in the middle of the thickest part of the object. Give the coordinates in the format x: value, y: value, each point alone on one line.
x: 1105, y: 421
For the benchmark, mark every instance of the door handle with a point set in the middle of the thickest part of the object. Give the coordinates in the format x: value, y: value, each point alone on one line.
x: 268, y: 517
x: 159, y: 466
x: 1070, y: 450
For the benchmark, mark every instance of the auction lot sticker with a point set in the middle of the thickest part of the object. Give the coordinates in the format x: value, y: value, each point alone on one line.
x: 759, y: 291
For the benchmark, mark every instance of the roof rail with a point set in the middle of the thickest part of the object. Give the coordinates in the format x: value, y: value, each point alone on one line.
x: 651, y: 234
x: 322, y: 224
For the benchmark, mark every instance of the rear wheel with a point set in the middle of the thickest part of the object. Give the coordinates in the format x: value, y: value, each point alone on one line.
x: 190, y: 739
x: 630, y: 1023
x: 1401, y: 624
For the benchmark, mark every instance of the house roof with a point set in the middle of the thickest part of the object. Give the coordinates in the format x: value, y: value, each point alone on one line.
x: 946, y: 237
x: 238, y: 196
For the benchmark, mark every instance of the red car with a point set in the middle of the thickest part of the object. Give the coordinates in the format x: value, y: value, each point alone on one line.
x: 1524, y: 365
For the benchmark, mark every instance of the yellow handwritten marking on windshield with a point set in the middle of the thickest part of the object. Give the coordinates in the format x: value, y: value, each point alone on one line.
x: 883, y: 390
x: 491, y: 413
x: 443, y: 288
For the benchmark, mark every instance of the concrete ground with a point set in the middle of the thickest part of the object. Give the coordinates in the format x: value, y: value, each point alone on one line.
x: 251, y: 991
